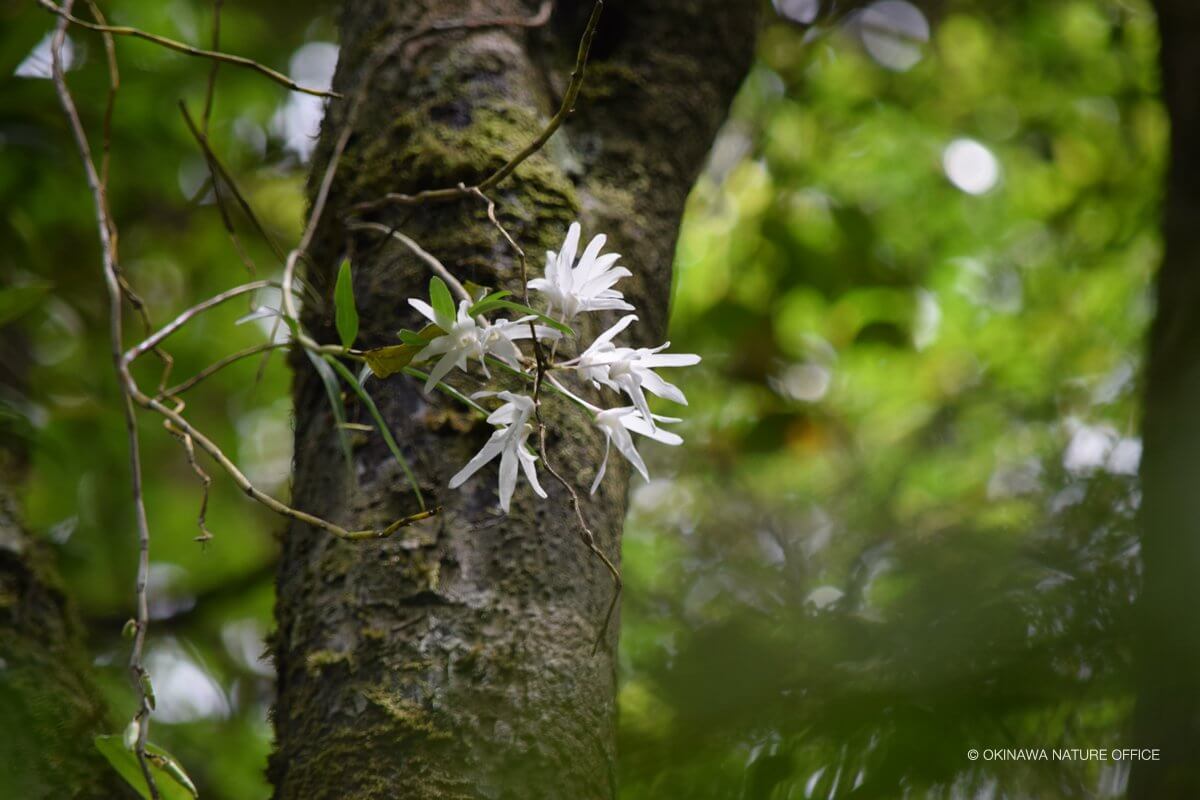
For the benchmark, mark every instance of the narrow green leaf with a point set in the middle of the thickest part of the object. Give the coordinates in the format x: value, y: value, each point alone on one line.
x: 172, y: 781
x: 421, y: 337
x: 349, y: 378
x: 333, y: 391
x: 479, y: 307
x: 345, y: 311
x: 440, y: 299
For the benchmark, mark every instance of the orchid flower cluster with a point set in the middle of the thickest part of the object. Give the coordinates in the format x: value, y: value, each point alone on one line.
x: 571, y: 287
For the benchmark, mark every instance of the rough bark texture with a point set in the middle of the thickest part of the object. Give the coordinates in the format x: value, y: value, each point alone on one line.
x: 455, y: 659
x: 1168, y: 714
x: 48, y: 705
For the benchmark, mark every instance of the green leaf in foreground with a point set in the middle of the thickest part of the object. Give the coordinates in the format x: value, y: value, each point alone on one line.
x: 345, y: 311
x: 390, y: 440
x: 387, y: 361
x: 440, y: 299
x: 172, y: 781
x: 486, y: 302
x: 333, y: 391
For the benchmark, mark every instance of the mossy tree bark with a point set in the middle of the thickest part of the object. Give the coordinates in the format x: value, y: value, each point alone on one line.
x: 50, y: 708
x: 1168, y: 713
x: 455, y: 660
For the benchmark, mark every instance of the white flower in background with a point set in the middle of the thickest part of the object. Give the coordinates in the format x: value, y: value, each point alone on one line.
x: 465, y: 338
x: 572, y: 289
x: 617, y: 423
x: 631, y: 370
x: 509, y: 442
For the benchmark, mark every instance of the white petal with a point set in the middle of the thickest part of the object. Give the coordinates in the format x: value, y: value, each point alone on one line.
x: 630, y: 385
x: 670, y: 359
x: 508, y: 471
x: 603, y: 304
x: 604, y: 281
x: 441, y: 370
x: 635, y: 423
x: 566, y: 256
x: 435, y: 347
x: 656, y: 385
x: 485, y: 454
x: 587, y: 262
x: 426, y: 310
x: 624, y: 443
x: 606, y: 337
x: 551, y: 271
x: 603, y: 463
x: 527, y: 463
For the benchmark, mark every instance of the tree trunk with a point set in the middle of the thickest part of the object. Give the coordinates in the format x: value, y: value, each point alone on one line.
x: 49, y: 706
x: 455, y: 659
x: 1168, y: 713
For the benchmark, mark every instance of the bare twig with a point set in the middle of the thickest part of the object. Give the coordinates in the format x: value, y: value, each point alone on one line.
x: 378, y: 59
x: 205, y: 481
x: 566, y: 106
x: 585, y: 532
x: 216, y: 367
x: 243, y: 483
x: 436, y: 266
x: 212, y: 71
x: 219, y: 171
x: 187, y: 49
x: 213, y: 172
x: 114, y: 84
x: 104, y: 224
x: 152, y: 341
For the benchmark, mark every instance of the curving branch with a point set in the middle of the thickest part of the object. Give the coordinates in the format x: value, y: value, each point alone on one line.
x: 64, y: 12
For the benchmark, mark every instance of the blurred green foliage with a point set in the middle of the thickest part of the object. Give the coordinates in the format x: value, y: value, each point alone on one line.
x: 901, y: 526
x: 213, y: 604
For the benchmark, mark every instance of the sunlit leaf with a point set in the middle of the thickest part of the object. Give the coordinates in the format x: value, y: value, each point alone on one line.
x: 169, y: 776
x: 345, y: 311
x: 422, y: 337
x: 387, y: 361
x: 440, y: 299
x: 484, y: 303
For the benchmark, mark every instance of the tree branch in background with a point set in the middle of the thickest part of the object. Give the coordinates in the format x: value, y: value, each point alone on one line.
x: 64, y: 12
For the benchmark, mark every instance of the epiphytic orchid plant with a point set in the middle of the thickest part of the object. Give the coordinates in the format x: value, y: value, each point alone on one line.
x: 458, y: 336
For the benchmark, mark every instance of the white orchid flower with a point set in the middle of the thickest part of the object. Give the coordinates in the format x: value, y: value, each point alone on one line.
x: 617, y: 423
x: 509, y: 442
x: 631, y: 370
x: 572, y: 289
x: 466, y: 338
